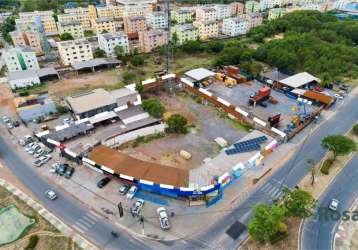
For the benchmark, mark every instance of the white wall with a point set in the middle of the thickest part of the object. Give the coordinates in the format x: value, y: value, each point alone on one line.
x: 20, y: 83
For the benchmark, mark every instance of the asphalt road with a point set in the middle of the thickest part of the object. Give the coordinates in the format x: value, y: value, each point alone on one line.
x: 318, y: 232
x: 70, y: 210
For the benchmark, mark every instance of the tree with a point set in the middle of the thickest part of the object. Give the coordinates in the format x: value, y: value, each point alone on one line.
x: 99, y: 53
x: 355, y: 128
x: 298, y: 203
x: 177, y: 124
x: 104, y: 31
x: 139, y: 87
x: 66, y: 36
x: 88, y: 33
x: 137, y: 60
x: 267, y: 222
x: 311, y: 168
x: 128, y: 77
x: 175, y: 38
x: 191, y: 47
x: 338, y: 145
x: 154, y: 107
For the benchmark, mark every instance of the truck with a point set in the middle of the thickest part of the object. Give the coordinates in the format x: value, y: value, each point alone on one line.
x: 259, y: 97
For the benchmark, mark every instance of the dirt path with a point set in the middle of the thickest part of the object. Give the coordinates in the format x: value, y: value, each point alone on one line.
x: 6, y: 97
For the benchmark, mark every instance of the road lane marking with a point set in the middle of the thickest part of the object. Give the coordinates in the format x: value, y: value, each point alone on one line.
x: 78, y: 229
x: 81, y: 225
x: 94, y: 214
x: 83, y: 222
x: 89, y: 220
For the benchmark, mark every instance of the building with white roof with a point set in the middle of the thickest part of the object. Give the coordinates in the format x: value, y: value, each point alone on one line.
x: 235, y: 26
x: 300, y: 80
x: 75, y: 51
x: 20, y: 58
x: 157, y: 20
x: 109, y: 41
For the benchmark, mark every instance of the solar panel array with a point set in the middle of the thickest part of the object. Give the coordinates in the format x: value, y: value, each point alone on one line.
x: 246, y: 146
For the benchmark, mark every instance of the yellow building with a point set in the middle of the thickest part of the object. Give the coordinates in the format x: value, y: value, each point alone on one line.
x: 29, y: 19
x: 182, y: 15
x: 207, y: 29
x: 101, y: 25
x: 105, y: 12
x: 49, y: 25
x: 92, y: 11
x: 205, y: 13
x: 74, y: 28
x: 185, y: 32
x: 74, y: 51
x: 78, y: 10
x: 82, y: 18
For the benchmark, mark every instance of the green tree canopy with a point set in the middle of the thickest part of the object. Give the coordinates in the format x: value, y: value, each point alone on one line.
x: 177, y: 124
x: 298, y: 203
x: 338, y: 145
x: 99, y: 53
x: 355, y: 128
x: 267, y: 222
x: 66, y: 36
x: 128, y: 77
x: 137, y: 60
x: 154, y: 107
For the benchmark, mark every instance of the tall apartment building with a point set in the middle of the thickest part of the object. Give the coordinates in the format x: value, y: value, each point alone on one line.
x: 185, y: 32
x: 151, y: 39
x: 73, y: 27
x: 207, y: 29
x: 47, y: 20
x: 235, y: 26
x: 74, y: 51
x: 20, y: 58
x: 27, y: 38
x: 30, y: 15
x: 136, y: 8
x: 83, y: 18
x: 205, y: 13
x: 252, y: 7
x: 276, y: 13
x: 254, y: 20
x: 92, y: 12
x: 182, y: 15
x: 105, y: 11
x: 25, y: 25
x: 237, y: 8
x: 134, y: 24
x: 76, y: 11
x: 103, y: 24
x: 157, y: 20
x: 108, y: 42
x: 222, y: 11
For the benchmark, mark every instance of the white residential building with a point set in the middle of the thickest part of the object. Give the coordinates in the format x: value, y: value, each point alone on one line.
x: 205, y: 13
x: 74, y: 28
x: 20, y: 58
x: 157, y: 20
x: 108, y: 42
x: 235, y: 26
x: 83, y: 18
x: 75, y: 51
x: 222, y: 11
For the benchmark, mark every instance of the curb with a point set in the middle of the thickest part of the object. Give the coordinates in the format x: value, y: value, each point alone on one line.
x: 52, y: 219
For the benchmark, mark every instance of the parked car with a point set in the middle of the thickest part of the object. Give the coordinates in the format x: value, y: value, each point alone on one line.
x: 16, y: 123
x: 5, y: 118
x: 22, y: 142
x: 131, y: 192
x: 9, y: 125
x: 123, y: 189
x: 163, y: 218
x: 38, y: 163
x: 34, y: 149
x: 39, y: 153
x: 137, y: 207
x: 338, y: 96
x: 61, y: 170
x: 103, y: 182
x: 45, y: 158
x: 333, y: 205
x: 28, y: 139
x: 51, y: 194
x: 344, y: 86
x: 69, y: 172
x: 29, y: 146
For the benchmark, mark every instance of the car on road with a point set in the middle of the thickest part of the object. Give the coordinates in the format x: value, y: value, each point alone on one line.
x: 69, y: 172
x: 103, y: 182
x: 338, y: 96
x: 38, y: 163
x: 16, y: 123
x: 333, y: 205
x: 61, y: 169
x: 45, y: 158
x: 131, y: 192
x: 123, y: 189
x: 163, y: 218
x: 6, y: 119
x: 29, y: 146
x: 137, y: 207
x: 51, y: 194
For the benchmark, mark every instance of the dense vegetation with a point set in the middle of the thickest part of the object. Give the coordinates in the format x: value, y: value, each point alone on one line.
x: 6, y: 27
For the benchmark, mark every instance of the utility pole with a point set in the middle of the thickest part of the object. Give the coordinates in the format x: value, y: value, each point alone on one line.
x: 169, y: 83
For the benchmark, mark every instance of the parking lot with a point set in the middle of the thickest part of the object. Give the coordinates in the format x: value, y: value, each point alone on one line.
x: 239, y: 96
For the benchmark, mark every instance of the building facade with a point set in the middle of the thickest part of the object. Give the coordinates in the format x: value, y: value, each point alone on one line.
x: 108, y: 42
x: 254, y: 20
x: 134, y: 24
x: 27, y: 38
x: 252, y: 7
x: 20, y: 58
x: 157, y: 20
x: 101, y: 25
x: 234, y: 26
x: 74, y: 28
x: 182, y: 15
x: 205, y: 13
x: 74, y: 51
x: 185, y: 32
x: 207, y: 29
x: 276, y: 13
x: 237, y: 8
x: 222, y: 11
x: 151, y: 39
x: 83, y: 18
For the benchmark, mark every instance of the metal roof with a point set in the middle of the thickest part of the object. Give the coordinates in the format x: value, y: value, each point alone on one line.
x: 30, y: 73
x: 94, y: 63
x: 118, y: 93
x: 199, y: 74
x: 299, y: 80
x: 275, y: 75
x: 130, y: 112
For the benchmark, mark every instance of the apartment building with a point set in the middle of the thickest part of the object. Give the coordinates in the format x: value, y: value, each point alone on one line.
x: 134, y: 24
x: 185, y: 32
x: 157, y: 20
x: 26, y: 25
x: 222, y: 11
x: 30, y: 15
x: 108, y: 42
x: 254, y: 20
x: 207, y: 29
x: 136, y: 8
x: 182, y: 15
x: 76, y: 11
x: 27, y: 38
x: 83, y: 18
x: 235, y: 26
x: 205, y: 13
x: 103, y: 24
x: 73, y: 27
x: 252, y: 7
x: 236, y: 8
x: 74, y: 51
x: 30, y: 19
x: 20, y: 58
x: 276, y: 13
x: 151, y: 39
x: 105, y: 11
x: 92, y: 12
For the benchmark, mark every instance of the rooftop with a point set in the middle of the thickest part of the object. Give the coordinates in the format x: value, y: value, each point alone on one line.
x: 299, y: 80
x: 30, y: 73
x: 80, y: 41
x: 104, y: 20
x: 118, y: 93
x: 275, y: 75
x: 109, y: 36
x: 184, y: 11
x: 136, y: 18
x: 185, y: 27
x: 199, y: 74
x: 70, y: 23
x: 94, y: 63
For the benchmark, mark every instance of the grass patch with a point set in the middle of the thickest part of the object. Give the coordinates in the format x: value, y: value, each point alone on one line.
x: 147, y: 139
x: 241, y: 126
x: 114, y: 86
x: 35, y: 89
x: 326, y: 166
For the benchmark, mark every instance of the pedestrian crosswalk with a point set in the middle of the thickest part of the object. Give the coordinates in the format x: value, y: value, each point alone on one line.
x: 86, y: 222
x: 272, y: 189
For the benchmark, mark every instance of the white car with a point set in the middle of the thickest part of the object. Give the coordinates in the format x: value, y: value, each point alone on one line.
x: 137, y: 207
x: 39, y: 153
x: 163, y: 218
x: 30, y: 146
x: 45, y: 158
x: 338, y: 96
x: 38, y: 163
x: 333, y: 205
x: 131, y: 192
x: 51, y: 194
x: 34, y: 149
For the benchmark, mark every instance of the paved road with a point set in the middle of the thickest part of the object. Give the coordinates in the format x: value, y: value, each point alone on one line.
x: 319, y: 233
x: 70, y: 211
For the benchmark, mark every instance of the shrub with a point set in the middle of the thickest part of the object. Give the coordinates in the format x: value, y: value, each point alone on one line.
x: 326, y: 166
x: 177, y: 124
x: 154, y: 107
x: 128, y: 77
x: 33, y: 240
x: 355, y: 128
